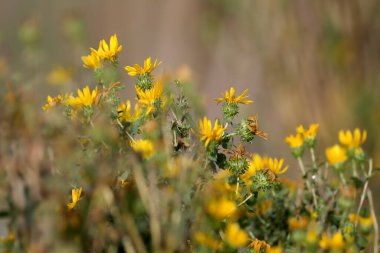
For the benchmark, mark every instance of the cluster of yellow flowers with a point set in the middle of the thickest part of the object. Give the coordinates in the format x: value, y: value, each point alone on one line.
x: 350, y: 147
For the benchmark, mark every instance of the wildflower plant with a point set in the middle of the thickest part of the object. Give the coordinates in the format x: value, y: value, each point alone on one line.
x: 141, y: 176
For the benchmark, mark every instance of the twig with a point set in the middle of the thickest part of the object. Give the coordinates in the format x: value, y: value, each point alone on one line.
x: 245, y: 200
x: 374, y: 221
x: 302, y: 167
x: 364, y: 190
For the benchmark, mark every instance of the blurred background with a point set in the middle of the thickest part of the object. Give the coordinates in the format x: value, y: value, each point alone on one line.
x: 303, y: 61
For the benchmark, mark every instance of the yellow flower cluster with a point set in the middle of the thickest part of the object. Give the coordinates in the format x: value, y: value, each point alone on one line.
x: 351, y: 147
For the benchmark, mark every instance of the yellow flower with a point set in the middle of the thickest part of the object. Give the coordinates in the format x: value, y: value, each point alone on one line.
x: 75, y: 197
x: 230, y: 97
x: 276, y: 166
x: 336, y: 155
x: 85, y: 97
x: 335, y: 243
x: 143, y: 147
x: 151, y: 99
x: 125, y: 113
x: 311, y: 133
x: 324, y: 242
x: 258, y: 245
x: 294, y: 141
x: 207, y: 240
x: 352, y: 140
x: 92, y: 61
x: 276, y: 249
x: 363, y: 222
x: 110, y: 51
x: 208, y: 133
x: 221, y: 208
x: 147, y: 69
x: 59, y: 75
x: 311, y: 236
x: 298, y: 223
x: 52, y: 101
x: 235, y: 236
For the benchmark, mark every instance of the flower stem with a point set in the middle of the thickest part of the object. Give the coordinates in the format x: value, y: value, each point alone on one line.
x: 304, y: 175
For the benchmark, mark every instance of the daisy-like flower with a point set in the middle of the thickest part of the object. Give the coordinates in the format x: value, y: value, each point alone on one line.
x: 92, y: 61
x: 296, y: 144
x: 336, y: 155
x: 125, y: 112
x: 294, y: 141
x: 146, y: 69
x: 231, y: 98
x: 151, y: 99
x: 208, y: 133
x: 143, y: 147
x: 84, y: 98
x: 352, y: 139
x: 52, y: 101
x: 235, y: 236
x: 276, y: 166
x: 75, y: 197
x: 110, y: 51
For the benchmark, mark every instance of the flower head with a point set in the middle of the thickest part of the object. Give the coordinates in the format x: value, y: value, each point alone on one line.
x: 235, y: 236
x: 125, y: 112
x: 231, y: 98
x: 85, y: 97
x: 207, y: 240
x: 258, y: 245
x: 92, y: 61
x: 110, y: 51
x: 52, y: 101
x: 151, y: 99
x: 336, y: 155
x: 276, y: 166
x: 75, y: 197
x: 208, y: 133
x: 294, y: 141
x: 143, y: 147
x: 147, y: 69
x: 296, y: 144
x: 352, y: 139
x: 221, y: 208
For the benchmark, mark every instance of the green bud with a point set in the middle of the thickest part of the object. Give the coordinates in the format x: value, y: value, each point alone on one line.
x: 144, y: 81
x: 310, y: 142
x: 230, y: 110
x: 298, y: 152
x: 238, y: 165
x: 261, y: 181
x: 244, y: 132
